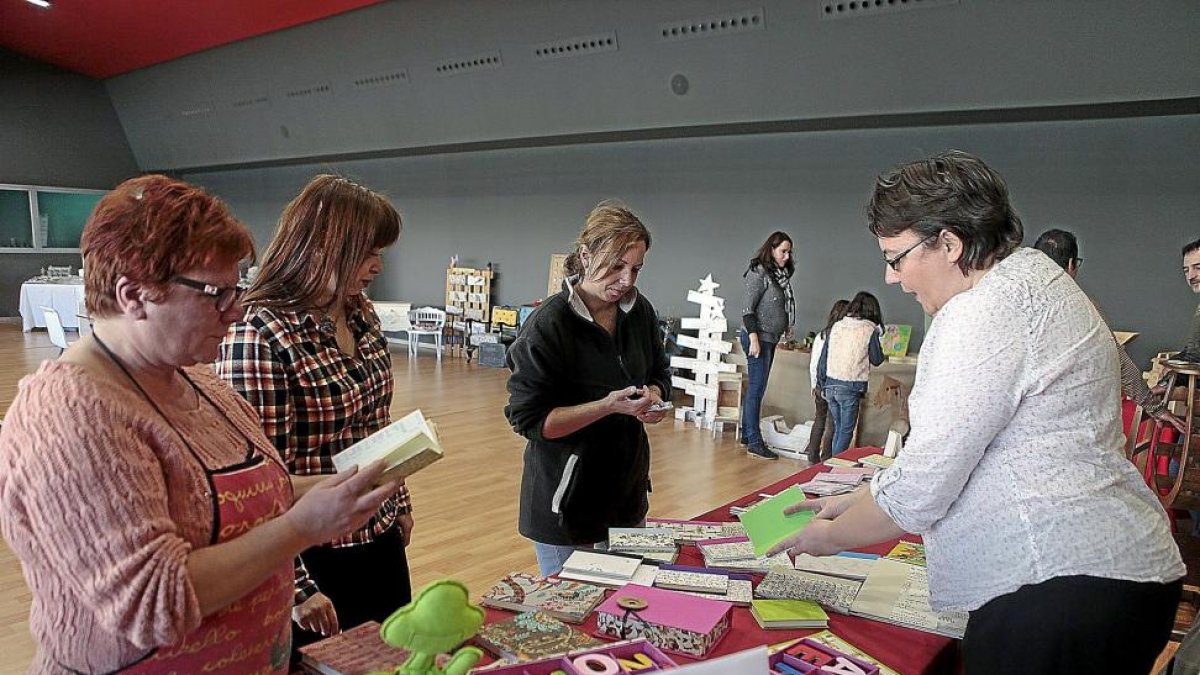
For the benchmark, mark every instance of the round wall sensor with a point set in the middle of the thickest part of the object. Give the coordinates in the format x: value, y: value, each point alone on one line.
x: 679, y: 84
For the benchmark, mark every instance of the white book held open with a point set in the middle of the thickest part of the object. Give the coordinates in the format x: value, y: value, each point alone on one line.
x: 408, y: 445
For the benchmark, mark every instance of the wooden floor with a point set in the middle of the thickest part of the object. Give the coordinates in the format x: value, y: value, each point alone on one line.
x: 465, y: 505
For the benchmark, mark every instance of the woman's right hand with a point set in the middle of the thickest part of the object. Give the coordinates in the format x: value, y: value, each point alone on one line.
x: 339, y: 504
x: 622, y: 401
x: 316, y: 615
x: 754, y: 350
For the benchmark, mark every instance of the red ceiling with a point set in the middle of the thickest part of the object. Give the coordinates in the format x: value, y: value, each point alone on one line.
x: 103, y: 38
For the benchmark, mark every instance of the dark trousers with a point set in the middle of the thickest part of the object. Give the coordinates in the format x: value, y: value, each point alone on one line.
x: 820, y: 439
x: 1072, y: 625
x: 757, y: 370
x: 365, y: 583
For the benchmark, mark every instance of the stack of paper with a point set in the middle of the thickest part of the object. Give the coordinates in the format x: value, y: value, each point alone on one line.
x: 788, y: 614
x: 848, y: 565
x: 607, y: 569
x: 830, y: 483
x: 876, y: 460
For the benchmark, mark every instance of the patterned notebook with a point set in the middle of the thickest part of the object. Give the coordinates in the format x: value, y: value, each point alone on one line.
x: 357, y: 651
x: 570, y: 601
x: 532, y: 635
x: 641, y: 539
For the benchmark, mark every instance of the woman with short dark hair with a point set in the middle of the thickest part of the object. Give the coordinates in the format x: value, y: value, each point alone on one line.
x: 1014, y: 471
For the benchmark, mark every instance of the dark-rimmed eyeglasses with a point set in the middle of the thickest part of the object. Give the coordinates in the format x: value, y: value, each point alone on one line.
x: 1078, y: 261
x: 226, y: 296
x: 895, y: 262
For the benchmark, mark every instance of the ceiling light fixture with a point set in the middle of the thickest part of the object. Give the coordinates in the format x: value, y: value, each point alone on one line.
x: 40, y: 3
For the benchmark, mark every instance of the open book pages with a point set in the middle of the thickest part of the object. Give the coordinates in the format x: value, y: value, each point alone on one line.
x: 408, y: 445
x: 898, y: 593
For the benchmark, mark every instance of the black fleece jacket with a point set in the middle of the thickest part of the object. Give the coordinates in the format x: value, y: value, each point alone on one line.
x: 575, y: 487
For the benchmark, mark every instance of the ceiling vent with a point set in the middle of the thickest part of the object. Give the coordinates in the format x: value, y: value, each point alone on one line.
x: 198, y: 110
x: 304, y: 92
x: 713, y: 26
x: 854, y: 9
x: 250, y: 102
x: 488, y: 61
x: 582, y: 45
x: 381, y: 80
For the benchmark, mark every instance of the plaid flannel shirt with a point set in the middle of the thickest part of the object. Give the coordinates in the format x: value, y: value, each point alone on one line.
x: 313, y: 399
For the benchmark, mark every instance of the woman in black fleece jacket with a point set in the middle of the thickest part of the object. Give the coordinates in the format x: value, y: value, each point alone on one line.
x: 588, y: 370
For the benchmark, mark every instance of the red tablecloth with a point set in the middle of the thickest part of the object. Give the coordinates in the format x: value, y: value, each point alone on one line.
x: 907, y: 651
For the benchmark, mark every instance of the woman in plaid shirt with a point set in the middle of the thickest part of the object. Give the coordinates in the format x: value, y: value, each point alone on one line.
x: 310, y: 357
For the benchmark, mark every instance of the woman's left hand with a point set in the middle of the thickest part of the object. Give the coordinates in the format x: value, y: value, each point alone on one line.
x: 653, y: 416
x: 405, y: 521
x: 814, y: 539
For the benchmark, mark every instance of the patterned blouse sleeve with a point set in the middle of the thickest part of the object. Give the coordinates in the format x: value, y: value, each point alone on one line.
x: 249, y: 365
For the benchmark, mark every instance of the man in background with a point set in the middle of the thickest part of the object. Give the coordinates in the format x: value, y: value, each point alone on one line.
x: 1062, y: 247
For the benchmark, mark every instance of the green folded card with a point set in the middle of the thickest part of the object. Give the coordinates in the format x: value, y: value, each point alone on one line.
x: 766, y: 525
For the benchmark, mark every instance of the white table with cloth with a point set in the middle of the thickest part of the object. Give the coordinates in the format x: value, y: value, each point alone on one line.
x: 63, y: 294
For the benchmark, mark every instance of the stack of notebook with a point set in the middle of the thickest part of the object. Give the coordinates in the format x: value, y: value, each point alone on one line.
x: 737, y: 554
x: 530, y: 636
x: 691, y: 531
x: 791, y: 614
x: 704, y: 582
x: 651, y: 543
x: 607, y: 569
x: 562, y: 599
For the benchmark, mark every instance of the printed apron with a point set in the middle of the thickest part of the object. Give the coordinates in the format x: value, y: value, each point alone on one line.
x: 253, y: 635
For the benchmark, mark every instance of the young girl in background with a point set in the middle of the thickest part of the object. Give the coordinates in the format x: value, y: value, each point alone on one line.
x: 820, y: 440
x: 851, y: 348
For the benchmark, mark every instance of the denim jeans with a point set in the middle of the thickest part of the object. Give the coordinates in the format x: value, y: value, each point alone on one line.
x: 757, y: 368
x: 551, y: 557
x: 843, y: 408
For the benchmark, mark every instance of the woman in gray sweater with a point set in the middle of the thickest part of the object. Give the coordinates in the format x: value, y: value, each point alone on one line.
x: 768, y: 312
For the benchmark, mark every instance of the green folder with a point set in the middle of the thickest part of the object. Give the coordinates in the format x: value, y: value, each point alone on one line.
x: 766, y: 525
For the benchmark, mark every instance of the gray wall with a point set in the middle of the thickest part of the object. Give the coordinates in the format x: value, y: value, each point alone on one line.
x: 56, y: 129
x: 323, y: 90
x: 1127, y: 187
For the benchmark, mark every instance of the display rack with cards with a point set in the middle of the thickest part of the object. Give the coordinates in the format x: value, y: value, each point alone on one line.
x: 470, y: 290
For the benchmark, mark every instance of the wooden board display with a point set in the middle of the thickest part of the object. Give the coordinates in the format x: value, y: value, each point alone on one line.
x: 557, y: 274
x: 470, y: 290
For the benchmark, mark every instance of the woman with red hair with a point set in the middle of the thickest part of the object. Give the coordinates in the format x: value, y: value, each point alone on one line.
x: 155, y: 523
